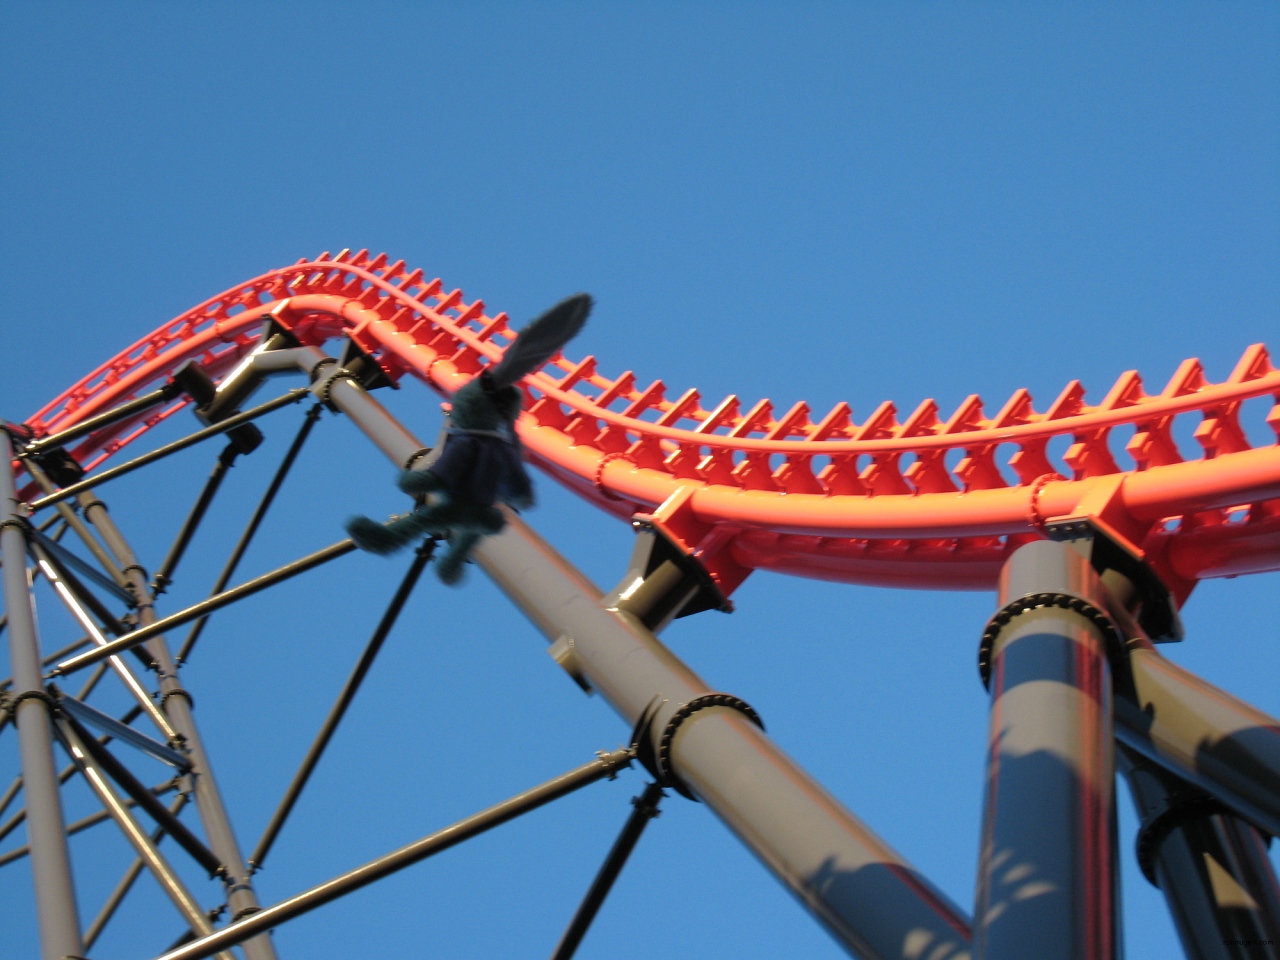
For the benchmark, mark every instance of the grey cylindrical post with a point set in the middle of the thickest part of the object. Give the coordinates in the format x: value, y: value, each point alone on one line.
x: 73, y: 521
x: 55, y: 896
x: 131, y: 682
x: 1202, y: 734
x: 177, y: 705
x: 1211, y: 866
x: 870, y: 898
x: 1046, y: 883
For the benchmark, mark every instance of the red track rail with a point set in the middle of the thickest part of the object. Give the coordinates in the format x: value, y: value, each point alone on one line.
x: 745, y: 487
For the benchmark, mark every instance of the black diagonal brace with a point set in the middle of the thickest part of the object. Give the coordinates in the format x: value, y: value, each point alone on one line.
x: 89, y: 482
x: 339, y: 708
x: 164, y: 576
x: 254, y: 522
x: 146, y: 799
x: 646, y: 808
x: 89, y: 599
x: 114, y: 415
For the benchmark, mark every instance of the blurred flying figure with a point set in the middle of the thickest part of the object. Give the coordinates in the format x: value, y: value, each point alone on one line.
x: 481, y: 464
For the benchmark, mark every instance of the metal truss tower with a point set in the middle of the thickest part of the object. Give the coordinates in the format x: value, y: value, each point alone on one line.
x: 1091, y: 570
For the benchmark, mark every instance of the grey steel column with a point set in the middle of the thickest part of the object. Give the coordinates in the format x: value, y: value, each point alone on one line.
x: 1046, y: 882
x: 872, y: 900
x: 1211, y: 866
x: 56, y: 913
x: 177, y: 705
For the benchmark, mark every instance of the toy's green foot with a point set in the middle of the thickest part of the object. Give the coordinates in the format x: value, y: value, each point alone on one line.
x: 418, y: 481
x: 491, y: 521
x: 373, y: 537
x: 450, y: 567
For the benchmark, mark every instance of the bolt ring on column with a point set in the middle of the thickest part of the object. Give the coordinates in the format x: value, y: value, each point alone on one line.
x: 13, y: 702
x: 1040, y: 601
x: 667, y: 776
x: 326, y: 385
x: 177, y: 692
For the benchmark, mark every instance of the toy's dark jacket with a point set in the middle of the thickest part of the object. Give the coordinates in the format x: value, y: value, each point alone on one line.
x: 482, y: 467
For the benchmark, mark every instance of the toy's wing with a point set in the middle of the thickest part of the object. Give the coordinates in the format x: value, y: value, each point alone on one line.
x: 541, y: 339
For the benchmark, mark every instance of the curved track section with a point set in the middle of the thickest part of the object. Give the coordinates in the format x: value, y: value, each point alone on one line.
x: 924, y: 500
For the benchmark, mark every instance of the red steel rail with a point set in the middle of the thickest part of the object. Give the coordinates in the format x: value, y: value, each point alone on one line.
x: 743, y: 486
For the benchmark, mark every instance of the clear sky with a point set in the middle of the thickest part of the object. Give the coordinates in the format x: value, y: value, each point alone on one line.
x: 824, y: 201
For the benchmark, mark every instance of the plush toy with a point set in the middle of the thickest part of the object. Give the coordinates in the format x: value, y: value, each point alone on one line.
x: 480, y: 465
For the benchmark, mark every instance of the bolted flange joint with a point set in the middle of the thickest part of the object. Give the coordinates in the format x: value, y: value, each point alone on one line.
x: 1041, y: 601
x: 659, y: 763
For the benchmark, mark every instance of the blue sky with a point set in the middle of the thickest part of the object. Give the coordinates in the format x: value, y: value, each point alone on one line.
x: 822, y: 202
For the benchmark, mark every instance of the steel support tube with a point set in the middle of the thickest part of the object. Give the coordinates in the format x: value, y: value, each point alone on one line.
x: 72, y: 602
x: 1203, y: 734
x: 1211, y: 866
x: 4, y: 617
x: 1046, y: 874
x: 293, y: 396
x: 870, y: 898
x: 339, y: 709
x: 122, y: 888
x: 48, y: 554
x: 241, y: 898
x: 51, y: 658
x: 72, y: 520
x: 164, y: 576
x: 84, y: 823
x: 255, y: 521
x: 56, y: 914
x: 159, y: 626
x: 143, y: 796
x: 142, y: 844
x: 64, y: 775
x: 646, y: 808
x: 606, y: 765
x: 10, y: 793
x: 105, y: 419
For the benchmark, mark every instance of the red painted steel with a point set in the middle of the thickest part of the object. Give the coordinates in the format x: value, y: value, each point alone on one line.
x: 744, y: 487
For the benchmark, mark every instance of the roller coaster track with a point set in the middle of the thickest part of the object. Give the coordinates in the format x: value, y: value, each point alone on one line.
x: 926, y: 501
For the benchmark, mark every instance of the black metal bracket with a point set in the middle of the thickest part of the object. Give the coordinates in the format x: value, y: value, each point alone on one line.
x: 199, y: 386
x: 1187, y: 804
x: 363, y: 368
x: 708, y: 597
x: 62, y: 468
x: 1157, y: 613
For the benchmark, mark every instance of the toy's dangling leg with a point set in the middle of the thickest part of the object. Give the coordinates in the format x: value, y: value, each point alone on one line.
x: 439, y: 518
x: 449, y: 567
x: 382, y: 539
x: 419, y: 481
